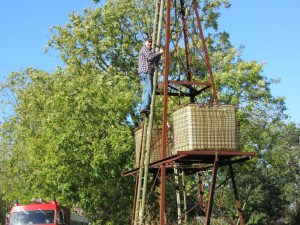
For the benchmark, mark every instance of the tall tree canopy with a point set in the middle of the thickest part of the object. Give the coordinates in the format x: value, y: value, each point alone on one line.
x: 70, y: 135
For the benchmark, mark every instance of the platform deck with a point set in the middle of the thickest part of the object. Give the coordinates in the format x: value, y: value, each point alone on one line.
x: 197, y: 160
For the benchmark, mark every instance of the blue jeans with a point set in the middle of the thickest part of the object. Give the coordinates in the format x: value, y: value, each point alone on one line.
x: 147, y: 84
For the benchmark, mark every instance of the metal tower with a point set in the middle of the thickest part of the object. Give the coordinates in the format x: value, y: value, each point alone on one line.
x: 186, y: 54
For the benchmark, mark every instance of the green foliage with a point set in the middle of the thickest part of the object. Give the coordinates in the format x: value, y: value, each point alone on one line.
x: 71, y: 132
x: 71, y: 139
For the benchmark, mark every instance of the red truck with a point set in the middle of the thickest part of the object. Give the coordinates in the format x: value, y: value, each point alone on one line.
x: 41, y: 213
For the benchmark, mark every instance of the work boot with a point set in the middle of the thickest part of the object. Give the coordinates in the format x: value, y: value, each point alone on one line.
x: 145, y: 111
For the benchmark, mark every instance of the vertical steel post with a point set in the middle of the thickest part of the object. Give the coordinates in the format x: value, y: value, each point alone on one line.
x: 186, y: 44
x: 237, y: 200
x: 206, y: 56
x: 162, y: 195
x: 184, y: 198
x: 165, y: 114
x: 178, y: 199
x: 201, y: 193
x: 212, y: 190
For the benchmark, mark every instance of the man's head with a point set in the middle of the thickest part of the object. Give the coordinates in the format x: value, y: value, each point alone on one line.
x: 148, y: 42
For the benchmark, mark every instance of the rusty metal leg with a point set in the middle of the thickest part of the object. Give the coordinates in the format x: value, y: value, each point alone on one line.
x: 184, y: 198
x: 134, y: 200
x: 178, y: 199
x: 162, y: 195
x: 165, y: 111
x: 212, y: 190
x: 237, y: 200
x: 201, y: 194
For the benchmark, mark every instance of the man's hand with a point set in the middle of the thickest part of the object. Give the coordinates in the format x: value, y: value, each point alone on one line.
x: 161, y: 51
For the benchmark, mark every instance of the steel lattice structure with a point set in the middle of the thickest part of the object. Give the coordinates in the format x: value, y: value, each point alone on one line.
x: 185, y: 58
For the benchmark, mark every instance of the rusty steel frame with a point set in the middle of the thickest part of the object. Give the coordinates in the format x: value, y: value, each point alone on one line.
x: 165, y: 114
x: 206, y: 56
x: 237, y: 200
x: 186, y: 42
x: 198, y: 156
x: 212, y: 190
x: 217, y: 158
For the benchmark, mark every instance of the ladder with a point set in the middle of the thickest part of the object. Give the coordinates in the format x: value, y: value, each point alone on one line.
x: 145, y: 148
x: 140, y: 187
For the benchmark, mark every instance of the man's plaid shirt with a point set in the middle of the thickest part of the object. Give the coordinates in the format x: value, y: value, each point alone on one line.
x: 147, y: 60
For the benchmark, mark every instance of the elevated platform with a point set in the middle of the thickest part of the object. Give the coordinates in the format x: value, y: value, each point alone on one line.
x: 197, y: 160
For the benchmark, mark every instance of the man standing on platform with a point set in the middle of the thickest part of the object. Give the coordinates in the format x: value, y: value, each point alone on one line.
x: 147, y: 61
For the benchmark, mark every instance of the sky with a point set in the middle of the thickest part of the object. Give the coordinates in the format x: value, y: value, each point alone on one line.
x: 268, y: 29
x: 270, y: 32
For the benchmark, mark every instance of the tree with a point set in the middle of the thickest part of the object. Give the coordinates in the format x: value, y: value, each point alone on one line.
x: 70, y: 136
